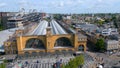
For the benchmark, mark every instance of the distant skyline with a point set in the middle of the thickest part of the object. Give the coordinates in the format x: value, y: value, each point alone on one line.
x: 62, y: 6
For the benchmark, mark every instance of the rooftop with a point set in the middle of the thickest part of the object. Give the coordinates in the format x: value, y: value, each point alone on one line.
x: 112, y: 41
x: 56, y: 28
x: 5, y: 35
x: 81, y: 36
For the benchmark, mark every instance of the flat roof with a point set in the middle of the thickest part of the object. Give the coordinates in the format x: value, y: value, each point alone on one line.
x: 9, y: 57
x: 81, y: 36
x: 4, y: 35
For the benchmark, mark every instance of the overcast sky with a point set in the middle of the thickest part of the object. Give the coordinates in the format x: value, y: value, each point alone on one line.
x: 62, y: 6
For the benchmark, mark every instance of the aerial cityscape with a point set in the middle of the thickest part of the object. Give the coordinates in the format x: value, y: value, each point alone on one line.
x: 59, y: 34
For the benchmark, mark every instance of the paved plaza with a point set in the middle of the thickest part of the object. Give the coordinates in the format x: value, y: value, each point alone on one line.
x: 47, y: 61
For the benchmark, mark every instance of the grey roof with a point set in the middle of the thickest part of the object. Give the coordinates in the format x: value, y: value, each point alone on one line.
x: 41, y: 28
x: 81, y: 36
x: 4, y: 35
x: 112, y: 42
x: 89, y: 27
x: 56, y: 28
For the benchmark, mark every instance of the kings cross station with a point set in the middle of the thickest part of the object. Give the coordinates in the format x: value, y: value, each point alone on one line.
x: 47, y: 39
x: 59, y: 34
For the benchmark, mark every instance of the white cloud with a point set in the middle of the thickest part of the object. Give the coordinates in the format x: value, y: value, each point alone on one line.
x: 64, y: 3
x: 56, y: 4
x: 3, y: 4
x: 79, y: 1
x: 100, y: 0
x: 23, y: 2
x: 61, y: 4
x: 53, y: 2
x: 69, y: 2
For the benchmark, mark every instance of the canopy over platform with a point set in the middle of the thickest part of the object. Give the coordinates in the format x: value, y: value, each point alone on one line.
x: 55, y: 28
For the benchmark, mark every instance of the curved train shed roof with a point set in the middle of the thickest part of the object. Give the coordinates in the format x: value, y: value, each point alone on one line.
x: 56, y: 28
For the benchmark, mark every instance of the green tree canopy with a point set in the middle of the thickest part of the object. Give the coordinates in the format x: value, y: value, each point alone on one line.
x: 100, y: 44
x: 2, y: 65
x: 100, y: 22
x: 58, y: 16
x: 1, y: 27
x: 74, y: 63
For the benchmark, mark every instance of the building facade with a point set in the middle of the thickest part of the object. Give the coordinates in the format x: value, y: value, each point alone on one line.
x: 112, y: 45
x: 46, y: 41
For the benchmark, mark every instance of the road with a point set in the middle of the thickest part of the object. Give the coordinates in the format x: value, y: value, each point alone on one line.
x: 107, y: 60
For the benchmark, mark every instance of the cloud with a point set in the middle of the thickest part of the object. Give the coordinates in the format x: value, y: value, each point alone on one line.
x: 3, y: 4
x: 66, y: 3
x: 56, y: 4
x: 100, y: 0
x: 61, y: 4
x: 80, y: 1
x: 23, y: 2
x: 53, y: 2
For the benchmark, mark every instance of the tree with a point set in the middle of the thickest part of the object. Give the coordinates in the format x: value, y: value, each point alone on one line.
x: 100, y: 22
x: 100, y: 44
x: 5, y: 61
x: 58, y: 16
x: 80, y: 60
x: 2, y: 65
x: 113, y: 18
x: 107, y: 20
x: 1, y: 27
x: 0, y: 21
x: 116, y: 25
x: 75, y: 63
x: 63, y: 66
